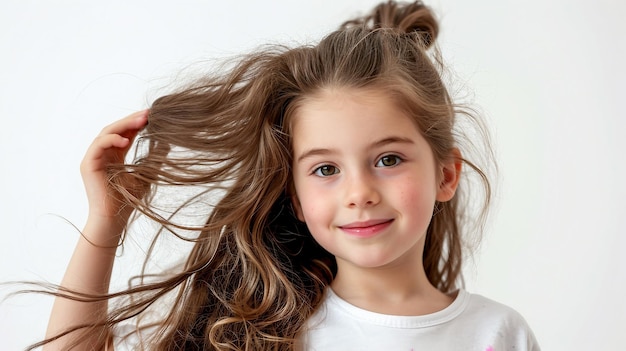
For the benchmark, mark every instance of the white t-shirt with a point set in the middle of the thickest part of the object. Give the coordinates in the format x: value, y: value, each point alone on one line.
x: 471, y: 322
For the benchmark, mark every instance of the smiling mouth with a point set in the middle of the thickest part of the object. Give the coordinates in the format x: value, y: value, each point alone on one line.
x: 367, y: 228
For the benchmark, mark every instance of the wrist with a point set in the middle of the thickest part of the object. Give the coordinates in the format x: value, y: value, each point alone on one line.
x: 103, y: 232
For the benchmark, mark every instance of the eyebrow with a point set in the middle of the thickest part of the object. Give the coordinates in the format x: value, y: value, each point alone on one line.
x: 379, y: 143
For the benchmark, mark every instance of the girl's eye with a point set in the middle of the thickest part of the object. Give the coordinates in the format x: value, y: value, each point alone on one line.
x: 326, y: 170
x: 388, y: 161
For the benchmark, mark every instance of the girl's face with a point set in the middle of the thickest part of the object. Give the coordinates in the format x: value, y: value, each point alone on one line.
x: 366, y: 180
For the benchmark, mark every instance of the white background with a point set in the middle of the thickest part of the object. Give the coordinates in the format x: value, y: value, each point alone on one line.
x: 548, y: 75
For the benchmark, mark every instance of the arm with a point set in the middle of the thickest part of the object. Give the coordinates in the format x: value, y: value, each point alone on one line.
x: 89, y: 270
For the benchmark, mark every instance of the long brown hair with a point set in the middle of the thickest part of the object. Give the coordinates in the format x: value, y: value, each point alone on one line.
x: 255, y: 274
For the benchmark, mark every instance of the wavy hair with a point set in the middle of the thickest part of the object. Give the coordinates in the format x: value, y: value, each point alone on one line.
x: 255, y: 274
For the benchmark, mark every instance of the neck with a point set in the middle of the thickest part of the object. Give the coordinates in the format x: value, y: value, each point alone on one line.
x: 389, y: 290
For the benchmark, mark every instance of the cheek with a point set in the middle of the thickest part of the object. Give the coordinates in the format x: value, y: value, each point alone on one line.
x: 309, y: 203
x: 416, y: 197
x: 313, y: 209
x: 319, y: 214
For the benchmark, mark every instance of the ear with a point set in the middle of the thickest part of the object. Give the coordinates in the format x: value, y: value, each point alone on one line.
x: 297, y: 208
x: 450, y: 175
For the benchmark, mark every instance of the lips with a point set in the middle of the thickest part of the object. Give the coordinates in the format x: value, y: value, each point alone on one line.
x: 366, y: 228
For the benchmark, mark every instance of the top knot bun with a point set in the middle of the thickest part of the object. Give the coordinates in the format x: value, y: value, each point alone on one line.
x: 410, y: 18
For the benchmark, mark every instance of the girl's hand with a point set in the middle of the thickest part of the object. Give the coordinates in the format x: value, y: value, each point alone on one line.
x: 109, y: 147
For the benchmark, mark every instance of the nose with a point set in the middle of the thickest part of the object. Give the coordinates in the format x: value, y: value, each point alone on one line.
x: 361, y: 191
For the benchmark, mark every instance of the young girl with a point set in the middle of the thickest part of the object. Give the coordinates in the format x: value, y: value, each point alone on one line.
x: 340, y: 223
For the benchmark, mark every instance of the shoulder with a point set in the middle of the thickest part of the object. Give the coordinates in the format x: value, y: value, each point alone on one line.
x: 480, y: 307
x: 502, y: 324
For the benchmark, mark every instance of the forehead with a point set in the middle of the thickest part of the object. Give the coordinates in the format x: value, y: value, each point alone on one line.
x: 355, y: 115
